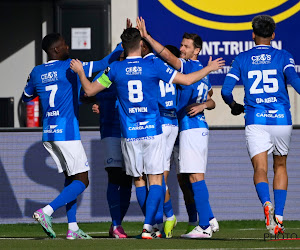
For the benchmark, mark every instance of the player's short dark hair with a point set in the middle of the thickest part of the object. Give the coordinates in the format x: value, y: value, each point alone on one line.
x: 130, y: 39
x: 197, y: 41
x: 147, y: 44
x: 174, y: 50
x: 263, y: 26
x: 49, y: 40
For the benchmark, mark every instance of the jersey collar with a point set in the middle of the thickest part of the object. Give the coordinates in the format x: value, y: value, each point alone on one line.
x: 51, y: 61
x: 150, y: 54
x: 133, y: 57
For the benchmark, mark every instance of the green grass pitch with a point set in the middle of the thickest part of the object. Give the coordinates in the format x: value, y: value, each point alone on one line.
x: 232, y: 234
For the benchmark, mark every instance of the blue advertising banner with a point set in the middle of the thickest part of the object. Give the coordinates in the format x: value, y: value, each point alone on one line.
x: 224, y: 26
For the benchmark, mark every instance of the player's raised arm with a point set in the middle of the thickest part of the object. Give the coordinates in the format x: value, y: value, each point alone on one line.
x: 90, y: 88
x: 160, y: 49
x: 196, y: 76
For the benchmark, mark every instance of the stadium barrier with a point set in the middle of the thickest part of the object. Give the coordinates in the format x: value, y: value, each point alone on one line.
x: 29, y: 179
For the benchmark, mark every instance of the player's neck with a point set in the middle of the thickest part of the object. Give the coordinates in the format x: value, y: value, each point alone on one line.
x: 262, y: 41
x: 137, y: 52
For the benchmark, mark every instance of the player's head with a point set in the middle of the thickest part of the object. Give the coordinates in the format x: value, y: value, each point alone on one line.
x: 146, y: 48
x: 191, y: 46
x: 174, y: 50
x: 131, y: 40
x: 55, y: 46
x: 263, y: 27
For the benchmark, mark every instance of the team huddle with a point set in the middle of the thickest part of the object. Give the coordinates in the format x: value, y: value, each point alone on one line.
x: 151, y: 113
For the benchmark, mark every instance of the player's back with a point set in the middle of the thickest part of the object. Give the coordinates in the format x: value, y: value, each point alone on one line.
x: 262, y: 73
x: 137, y: 87
x: 166, y: 98
x: 58, y: 89
x: 195, y: 93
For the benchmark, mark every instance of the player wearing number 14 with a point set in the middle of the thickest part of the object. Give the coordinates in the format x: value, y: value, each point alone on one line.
x: 265, y: 73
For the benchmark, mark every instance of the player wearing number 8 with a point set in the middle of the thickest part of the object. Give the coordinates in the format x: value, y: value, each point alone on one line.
x: 137, y: 83
x: 265, y: 73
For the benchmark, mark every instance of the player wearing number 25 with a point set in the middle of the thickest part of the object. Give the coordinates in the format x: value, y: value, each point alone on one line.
x: 265, y: 73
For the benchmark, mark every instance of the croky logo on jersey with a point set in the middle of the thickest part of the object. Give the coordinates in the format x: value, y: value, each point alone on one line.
x: 261, y: 59
x: 230, y: 14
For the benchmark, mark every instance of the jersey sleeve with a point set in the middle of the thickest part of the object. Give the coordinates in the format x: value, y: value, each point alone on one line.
x: 290, y: 72
x: 29, y: 92
x: 96, y: 66
x: 232, y: 77
x: 183, y: 64
x: 164, y: 71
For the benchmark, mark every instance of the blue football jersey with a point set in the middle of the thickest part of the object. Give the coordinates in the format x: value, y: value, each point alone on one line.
x: 137, y: 83
x: 262, y: 71
x: 195, y: 93
x: 109, y: 115
x: 58, y: 88
x: 166, y: 99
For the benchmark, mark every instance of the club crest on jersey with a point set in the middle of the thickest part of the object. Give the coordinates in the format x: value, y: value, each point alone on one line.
x: 135, y: 70
x: 49, y: 77
x: 261, y: 59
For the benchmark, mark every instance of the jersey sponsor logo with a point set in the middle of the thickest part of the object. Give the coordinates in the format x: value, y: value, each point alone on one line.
x: 140, y: 138
x: 266, y: 100
x: 222, y: 15
x: 135, y: 70
x: 141, y: 126
x: 49, y: 77
x: 261, y: 59
x: 270, y: 114
x: 51, y: 129
x: 138, y: 110
x: 52, y: 113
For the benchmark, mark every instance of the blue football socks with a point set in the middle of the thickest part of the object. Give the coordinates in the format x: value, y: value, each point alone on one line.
x: 141, y: 196
x: 71, y: 207
x: 201, y: 202
x: 152, y: 203
x: 263, y: 193
x: 168, y: 209
x: 68, y: 194
x: 279, y: 198
x: 113, y: 199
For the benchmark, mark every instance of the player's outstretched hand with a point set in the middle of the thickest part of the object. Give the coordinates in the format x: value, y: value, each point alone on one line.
x: 76, y: 65
x: 216, y: 64
x: 128, y: 23
x: 194, y: 109
x: 95, y: 108
x: 141, y: 26
x: 236, y: 108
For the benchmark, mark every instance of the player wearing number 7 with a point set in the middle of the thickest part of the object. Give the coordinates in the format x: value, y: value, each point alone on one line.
x: 137, y: 82
x: 58, y: 88
x: 265, y: 73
